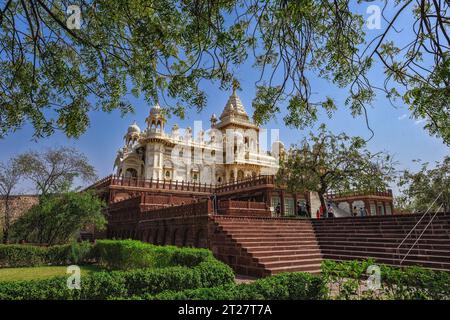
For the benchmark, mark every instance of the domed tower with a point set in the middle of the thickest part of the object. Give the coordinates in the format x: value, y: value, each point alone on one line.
x: 132, y: 135
x: 156, y: 119
x: 155, y: 143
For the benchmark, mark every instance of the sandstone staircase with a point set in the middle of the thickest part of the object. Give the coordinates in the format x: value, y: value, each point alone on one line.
x: 266, y: 246
x: 380, y: 238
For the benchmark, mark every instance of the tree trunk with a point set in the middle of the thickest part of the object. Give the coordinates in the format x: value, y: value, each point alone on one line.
x: 323, y: 204
x: 7, y: 221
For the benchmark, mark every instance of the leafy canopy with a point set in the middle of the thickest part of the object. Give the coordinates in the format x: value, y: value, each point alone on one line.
x: 428, y: 188
x: 58, y: 218
x: 53, y: 76
x: 55, y: 169
x: 339, y: 163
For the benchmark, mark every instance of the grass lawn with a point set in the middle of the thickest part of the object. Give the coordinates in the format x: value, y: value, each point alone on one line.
x: 11, y: 274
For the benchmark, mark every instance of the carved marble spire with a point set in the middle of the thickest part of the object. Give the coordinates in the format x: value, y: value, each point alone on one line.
x: 234, y: 107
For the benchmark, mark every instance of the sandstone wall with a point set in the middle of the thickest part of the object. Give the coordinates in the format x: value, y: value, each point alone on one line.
x: 18, y: 204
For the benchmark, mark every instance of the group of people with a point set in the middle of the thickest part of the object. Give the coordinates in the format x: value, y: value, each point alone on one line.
x: 303, y: 210
x: 329, y: 213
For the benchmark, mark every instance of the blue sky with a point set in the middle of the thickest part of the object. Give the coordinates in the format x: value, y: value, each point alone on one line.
x: 394, y: 131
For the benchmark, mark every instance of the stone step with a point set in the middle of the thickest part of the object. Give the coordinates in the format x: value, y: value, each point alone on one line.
x: 258, y: 227
x: 268, y: 227
x: 292, y: 263
x: 398, y: 237
x: 265, y: 222
x: 271, y: 237
x: 279, y: 253
x: 276, y: 248
x: 407, y: 229
x: 263, y: 242
x: 286, y: 258
x: 271, y: 232
x: 383, y: 239
x: 313, y: 268
x: 388, y: 255
x: 411, y: 224
x: 386, y: 245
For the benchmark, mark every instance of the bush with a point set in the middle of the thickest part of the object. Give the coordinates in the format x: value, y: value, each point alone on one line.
x: 14, y: 255
x: 131, y: 254
x: 122, y: 284
x: 74, y: 253
x: 287, y: 286
x: 155, y: 270
x: 396, y: 283
x: 124, y: 254
x: 57, y: 219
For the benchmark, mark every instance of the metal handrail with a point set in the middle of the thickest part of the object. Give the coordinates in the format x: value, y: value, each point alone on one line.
x: 417, y: 240
x: 421, y: 218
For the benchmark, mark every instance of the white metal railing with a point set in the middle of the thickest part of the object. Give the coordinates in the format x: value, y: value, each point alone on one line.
x: 415, y: 226
x: 417, y: 240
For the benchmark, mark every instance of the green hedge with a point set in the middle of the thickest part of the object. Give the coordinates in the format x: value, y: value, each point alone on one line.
x: 411, y: 282
x: 131, y: 254
x: 122, y: 284
x: 111, y: 254
x: 15, y: 255
x: 286, y: 286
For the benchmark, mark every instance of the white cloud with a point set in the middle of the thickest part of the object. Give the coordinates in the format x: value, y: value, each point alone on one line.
x: 420, y: 121
x: 403, y: 116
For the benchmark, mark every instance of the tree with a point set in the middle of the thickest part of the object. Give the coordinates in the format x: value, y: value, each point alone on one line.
x: 54, y: 170
x: 429, y: 188
x: 57, y: 219
x: 165, y: 48
x: 327, y: 162
x: 10, y: 175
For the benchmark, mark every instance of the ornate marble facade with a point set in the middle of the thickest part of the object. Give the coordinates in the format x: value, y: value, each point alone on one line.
x: 232, y: 149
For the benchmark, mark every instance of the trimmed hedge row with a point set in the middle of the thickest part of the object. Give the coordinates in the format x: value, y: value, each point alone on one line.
x: 406, y: 283
x: 15, y: 255
x: 110, y: 254
x: 122, y: 284
x: 285, y: 286
x: 131, y: 254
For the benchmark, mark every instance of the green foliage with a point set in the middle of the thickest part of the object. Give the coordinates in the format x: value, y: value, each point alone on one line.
x: 429, y: 100
x: 28, y: 256
x: 132, y: 254
x: 287, y: 286
x: 420, y: 190
x: 54, y: 170
x: 124, y: 254
x: 53, y: 77
x: 58, y: 218
x: 10, y: 175
x: 22, y: 255
x: 326, y: 162
x: 348, y: 278
x: 123, y: 284
x: 147, y: 270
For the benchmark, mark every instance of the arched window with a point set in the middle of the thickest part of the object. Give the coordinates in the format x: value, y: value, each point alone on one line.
x: 131, y: 173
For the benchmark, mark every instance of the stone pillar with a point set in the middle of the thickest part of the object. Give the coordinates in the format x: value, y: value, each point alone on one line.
x: 295, y: 204
x: 367, y: 207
